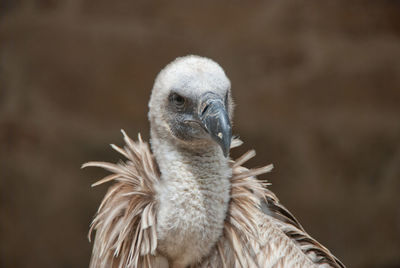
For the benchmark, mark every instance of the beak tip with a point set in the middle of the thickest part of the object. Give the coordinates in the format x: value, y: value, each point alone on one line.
x: 226, y: 153
x: 226, y: 146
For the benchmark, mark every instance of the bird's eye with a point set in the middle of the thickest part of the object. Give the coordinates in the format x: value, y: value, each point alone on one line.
x: 177, y: 100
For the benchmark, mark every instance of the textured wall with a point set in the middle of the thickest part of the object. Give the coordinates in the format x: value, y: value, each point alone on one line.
x: 317, y: 88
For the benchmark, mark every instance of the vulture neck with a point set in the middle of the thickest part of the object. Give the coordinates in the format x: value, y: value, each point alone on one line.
x: 193, y: 199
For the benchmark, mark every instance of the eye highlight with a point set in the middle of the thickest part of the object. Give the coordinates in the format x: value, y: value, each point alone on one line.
x: 177, y: 100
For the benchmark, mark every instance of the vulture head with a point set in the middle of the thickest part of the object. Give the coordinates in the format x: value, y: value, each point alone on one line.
x: 191, y: 104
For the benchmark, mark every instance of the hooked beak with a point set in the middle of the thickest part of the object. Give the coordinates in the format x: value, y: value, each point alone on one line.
x: 215, y: 119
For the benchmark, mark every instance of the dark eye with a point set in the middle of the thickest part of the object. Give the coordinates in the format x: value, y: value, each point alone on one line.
x: 177, y: 100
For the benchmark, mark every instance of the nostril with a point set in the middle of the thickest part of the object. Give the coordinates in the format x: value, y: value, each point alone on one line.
x: 204, y: 110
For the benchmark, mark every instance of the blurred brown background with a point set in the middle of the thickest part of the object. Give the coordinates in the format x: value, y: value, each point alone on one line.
x: 317, y: 88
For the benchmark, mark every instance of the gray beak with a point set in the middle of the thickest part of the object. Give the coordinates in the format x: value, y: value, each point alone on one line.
x: 215, y: 119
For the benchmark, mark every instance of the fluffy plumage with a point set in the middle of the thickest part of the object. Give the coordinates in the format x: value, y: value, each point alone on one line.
x: 185, y: 203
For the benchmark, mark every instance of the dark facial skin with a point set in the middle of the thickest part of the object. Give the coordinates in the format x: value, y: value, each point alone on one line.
x: 203, y: 117
x: 184, y: 121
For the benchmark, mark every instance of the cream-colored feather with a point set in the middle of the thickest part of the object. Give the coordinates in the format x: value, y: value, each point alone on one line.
x: 126, y: 220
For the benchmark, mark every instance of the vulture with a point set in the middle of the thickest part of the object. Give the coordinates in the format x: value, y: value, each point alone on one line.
x: 182, y: 202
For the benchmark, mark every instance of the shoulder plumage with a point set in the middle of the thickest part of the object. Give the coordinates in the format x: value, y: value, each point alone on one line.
x: 290, y: 226
x: 261, y: 232
x: 125, y: 221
